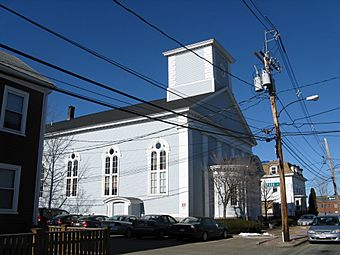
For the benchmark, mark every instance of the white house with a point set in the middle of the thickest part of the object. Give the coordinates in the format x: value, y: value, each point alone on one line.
x: 295, y: 189
x: 157, y: 161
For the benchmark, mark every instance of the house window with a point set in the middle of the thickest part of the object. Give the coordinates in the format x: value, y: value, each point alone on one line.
x: 158, y: 170
x: 14, y: 110
x: 273, y: 170
x: 111, y: 171
x: 9, y: 187
x: 72, y: 175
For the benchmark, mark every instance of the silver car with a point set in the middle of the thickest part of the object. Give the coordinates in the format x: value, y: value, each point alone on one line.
x: 325, y: 228
x: 306, y: 219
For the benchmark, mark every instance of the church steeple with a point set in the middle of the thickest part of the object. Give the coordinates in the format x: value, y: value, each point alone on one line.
x: 189, y: 75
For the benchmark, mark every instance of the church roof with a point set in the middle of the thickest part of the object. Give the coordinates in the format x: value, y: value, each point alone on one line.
x: 122, y: 113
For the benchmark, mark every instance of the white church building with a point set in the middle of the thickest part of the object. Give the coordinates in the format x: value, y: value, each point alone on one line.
x: 157, y: 161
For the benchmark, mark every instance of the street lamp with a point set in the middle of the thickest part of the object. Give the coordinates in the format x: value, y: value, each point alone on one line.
x: 309, y: 98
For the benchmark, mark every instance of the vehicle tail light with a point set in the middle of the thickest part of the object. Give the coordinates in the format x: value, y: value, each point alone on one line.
x: 39, y: 218
x: 85, y: 224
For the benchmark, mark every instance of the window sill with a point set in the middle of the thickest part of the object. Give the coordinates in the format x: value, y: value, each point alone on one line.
x: 12, y: 131
x: 158, y: 194
x: 8, y: 212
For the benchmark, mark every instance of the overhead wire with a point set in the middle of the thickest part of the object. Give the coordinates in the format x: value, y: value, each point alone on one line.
x: 178, y: 42
x: 86, y: 98
x: 241, y: 134
x: 113, y: 62
x: 284, y: 55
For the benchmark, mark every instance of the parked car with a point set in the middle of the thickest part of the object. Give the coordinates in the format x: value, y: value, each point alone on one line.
x: 120, y: 224
x: 153, y: 225
x: 325, y: 228
x: 67, y: 220
x: 45, y: 214
x: 306, y: 219
x: 199, y: 228
x: 90, y: 221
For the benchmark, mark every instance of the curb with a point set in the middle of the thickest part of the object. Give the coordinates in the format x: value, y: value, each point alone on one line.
x: 266, y: 240
x: 294, y: 242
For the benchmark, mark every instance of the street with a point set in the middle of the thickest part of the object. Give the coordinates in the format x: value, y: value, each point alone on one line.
x: 232, y: 246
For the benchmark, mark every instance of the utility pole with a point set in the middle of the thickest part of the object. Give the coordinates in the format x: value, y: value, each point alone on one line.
x: 332, y: 169
x: 267, y: 82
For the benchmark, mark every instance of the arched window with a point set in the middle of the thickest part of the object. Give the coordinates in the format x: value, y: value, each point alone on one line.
x: 111, y: 171
x: 158, y: 171
x: 72, y: 175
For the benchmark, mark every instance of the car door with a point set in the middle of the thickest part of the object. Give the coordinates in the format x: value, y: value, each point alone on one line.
x: 211, y: 227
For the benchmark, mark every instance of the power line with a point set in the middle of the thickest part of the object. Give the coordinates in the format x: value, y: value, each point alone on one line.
x: 312, y: 84
x: 113, y: 62
x: 178, y: 42
x: 285, y: 109
x: 63, y: 91
x: 118, y: 91
x: 288, y: 66
x: 302, y: 162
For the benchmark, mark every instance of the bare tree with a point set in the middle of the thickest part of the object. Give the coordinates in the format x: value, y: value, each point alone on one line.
x: 267, y: 195
x: 226, y: 184
x: 54, y: 170
x: 235, y: 182
x: 56, y: 190
x: 322, y: 187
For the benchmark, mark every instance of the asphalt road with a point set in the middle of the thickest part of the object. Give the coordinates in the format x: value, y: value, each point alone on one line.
x: 232, y: 246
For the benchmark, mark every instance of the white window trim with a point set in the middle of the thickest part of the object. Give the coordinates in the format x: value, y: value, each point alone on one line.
x: 17, y: 169
x: 104, y: 156
x: 77, y: 157
x: 25, y: 95
x: 164, y: 147
x: 275, y: 168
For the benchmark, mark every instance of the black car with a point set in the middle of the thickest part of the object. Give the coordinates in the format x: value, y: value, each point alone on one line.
x: 45, y: 214
x: 153, y: 225
x: 67, y: 220
x: 199, y: 228
x: 91, y: 221
x: 120, y: 224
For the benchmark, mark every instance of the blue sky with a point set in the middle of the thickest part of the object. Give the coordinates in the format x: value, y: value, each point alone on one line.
x: 309, y: 30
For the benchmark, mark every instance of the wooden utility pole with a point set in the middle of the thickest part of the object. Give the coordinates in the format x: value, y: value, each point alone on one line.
x: 332, y: 169
x: 279, y: 153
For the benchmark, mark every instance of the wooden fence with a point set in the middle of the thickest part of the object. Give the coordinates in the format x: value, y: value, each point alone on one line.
x: 57, y: 241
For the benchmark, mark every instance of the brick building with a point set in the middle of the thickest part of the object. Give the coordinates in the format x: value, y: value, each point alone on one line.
x: 328, y: 204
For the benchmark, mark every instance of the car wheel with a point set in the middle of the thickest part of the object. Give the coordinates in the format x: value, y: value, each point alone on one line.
x: 128, y: 233
x: 205, y: 236
x: 224, y: 234
x: 161, y: 234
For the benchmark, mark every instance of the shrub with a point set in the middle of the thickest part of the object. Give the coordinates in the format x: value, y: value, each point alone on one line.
x: 276, y: 222
x: 236, y: 226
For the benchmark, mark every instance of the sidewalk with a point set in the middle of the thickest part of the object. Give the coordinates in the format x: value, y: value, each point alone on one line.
x: 298, y: 235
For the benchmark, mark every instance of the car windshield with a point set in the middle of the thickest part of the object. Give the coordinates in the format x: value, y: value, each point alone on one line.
x: 307, y: 217
x: 84, y: 218
x: 117, y: 217
x: 324, y: 221
x: 151, y: 217
x: 191, y: 220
